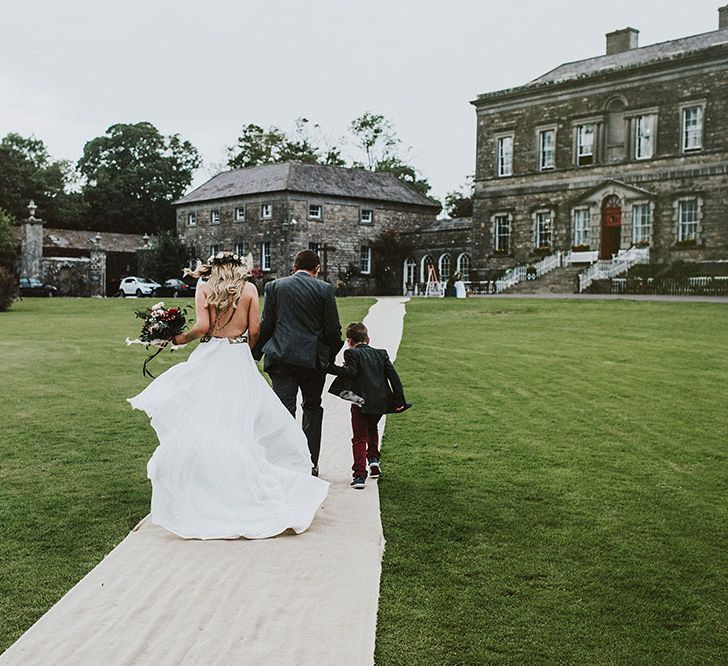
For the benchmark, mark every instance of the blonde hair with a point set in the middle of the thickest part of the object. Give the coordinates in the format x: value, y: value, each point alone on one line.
x: 226, y: 275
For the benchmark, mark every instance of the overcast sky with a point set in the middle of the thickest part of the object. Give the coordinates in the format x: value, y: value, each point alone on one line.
x: 71, y: 68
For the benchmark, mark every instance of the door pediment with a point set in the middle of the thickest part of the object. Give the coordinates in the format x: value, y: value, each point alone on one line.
x: 611, y: 187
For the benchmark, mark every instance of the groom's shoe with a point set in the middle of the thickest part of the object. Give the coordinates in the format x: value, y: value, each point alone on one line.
x: 314, y: 470
x: 374, y: 469
x: 358, y: 483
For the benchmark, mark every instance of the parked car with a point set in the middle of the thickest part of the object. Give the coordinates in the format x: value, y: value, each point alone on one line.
x: 176, y: 288
x: 36, y: 287
x: 137, y: 286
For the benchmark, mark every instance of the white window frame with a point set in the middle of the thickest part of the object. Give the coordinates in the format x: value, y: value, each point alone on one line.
x: 538, y: 232
x: 463, y: 266
x: 241, y: 249
x: 214, y: 249
x: 546, y: 157
x: 266, y: 211
x: 685, y: 133
x: 423, y: 264
x: 366, y: 216
x: 683, y: 234
x: 240, y: 214
x: 641, y: 229
x: 580, y: 225
x: 499, y: 219
x: 645, y: 126
x: 365, y: 259
x: 582, y: 150
x: 192, y: 218
x: 317, y: 214
x: 444, y: 261
x: 265, y: 255
x: 503, y: 157
x: 215, y: 216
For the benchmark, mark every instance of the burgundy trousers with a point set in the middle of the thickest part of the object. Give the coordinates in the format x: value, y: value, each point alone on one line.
x: 365, y: 440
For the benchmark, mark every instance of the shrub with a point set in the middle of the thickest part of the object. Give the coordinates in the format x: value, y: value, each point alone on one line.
x: 7, y: 289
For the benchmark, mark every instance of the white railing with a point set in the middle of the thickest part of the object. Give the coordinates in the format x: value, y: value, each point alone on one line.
x: 609, y: 268
x: 519, y: 273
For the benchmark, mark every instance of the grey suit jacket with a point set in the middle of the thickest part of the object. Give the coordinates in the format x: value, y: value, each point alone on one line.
x: 300, y: 323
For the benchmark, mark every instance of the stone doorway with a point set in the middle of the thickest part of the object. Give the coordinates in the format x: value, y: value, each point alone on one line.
x: 611, y: 227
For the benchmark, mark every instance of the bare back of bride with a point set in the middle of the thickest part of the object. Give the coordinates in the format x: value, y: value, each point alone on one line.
x: 231, y: 461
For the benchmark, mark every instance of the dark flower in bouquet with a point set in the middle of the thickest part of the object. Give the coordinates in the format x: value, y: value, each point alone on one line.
x: 161, y: 324
x: 159, y: 327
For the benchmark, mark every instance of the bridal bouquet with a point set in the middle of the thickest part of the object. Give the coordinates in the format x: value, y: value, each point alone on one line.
x: 159, y: 327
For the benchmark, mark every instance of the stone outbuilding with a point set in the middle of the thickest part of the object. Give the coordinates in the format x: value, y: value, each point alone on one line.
x: 76, y: 262
x: 272, y: 211
x: 625, y: 149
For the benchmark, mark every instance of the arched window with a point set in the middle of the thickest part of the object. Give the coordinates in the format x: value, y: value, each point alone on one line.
x: 444, y: 267
x: 410, y: 273
x: 464, y: 266
x: 616, y: 130
x: 425, y: 264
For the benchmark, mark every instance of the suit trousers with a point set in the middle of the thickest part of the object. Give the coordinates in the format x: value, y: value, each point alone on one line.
x: 286, y: 380
x: 365, y: 439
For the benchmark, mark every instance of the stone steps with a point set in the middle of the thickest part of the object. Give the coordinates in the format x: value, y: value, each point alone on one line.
x: 558, y: 281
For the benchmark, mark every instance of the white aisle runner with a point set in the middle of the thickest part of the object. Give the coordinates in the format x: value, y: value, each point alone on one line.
x: 300, y: 599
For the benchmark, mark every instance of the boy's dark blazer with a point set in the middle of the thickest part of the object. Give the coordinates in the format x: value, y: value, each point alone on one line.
x: 369, y: 373
x: 300, y: 323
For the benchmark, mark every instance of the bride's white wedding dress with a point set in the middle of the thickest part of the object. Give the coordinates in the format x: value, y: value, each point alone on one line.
x: 231, y: 461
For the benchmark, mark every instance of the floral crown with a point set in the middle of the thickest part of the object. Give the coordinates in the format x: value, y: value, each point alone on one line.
x: 224, y: 258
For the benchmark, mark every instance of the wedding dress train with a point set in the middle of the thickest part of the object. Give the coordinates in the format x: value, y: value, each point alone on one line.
x: 231, y: 461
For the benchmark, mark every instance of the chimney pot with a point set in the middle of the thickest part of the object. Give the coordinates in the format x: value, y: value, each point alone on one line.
x: 622, y: 40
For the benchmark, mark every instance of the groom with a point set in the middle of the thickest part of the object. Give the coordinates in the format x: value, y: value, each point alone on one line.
x: 300, y: 334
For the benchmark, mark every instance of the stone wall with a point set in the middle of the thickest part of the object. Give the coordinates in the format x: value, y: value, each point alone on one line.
x: 340, y: 227
x: 70, y: 275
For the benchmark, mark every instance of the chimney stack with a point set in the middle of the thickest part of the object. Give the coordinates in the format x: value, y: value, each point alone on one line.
x: 722, y: 17
x: 624, y: 40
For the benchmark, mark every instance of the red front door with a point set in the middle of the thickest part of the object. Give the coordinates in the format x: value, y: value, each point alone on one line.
x: 611, y: 228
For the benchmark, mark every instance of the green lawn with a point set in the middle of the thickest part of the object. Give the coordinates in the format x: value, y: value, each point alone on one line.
x: 72, y: 452
x: 558, y: 494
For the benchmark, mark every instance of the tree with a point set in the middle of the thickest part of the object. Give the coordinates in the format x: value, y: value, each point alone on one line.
x: 375, y: 135
x: 165, y: 259
x: 258, y: 146
x: 406, y: 173
x: 8, y: 249
x: 389, y: 250
x: 132, y: 174
x: 459, y: 203
x: 28, y: 172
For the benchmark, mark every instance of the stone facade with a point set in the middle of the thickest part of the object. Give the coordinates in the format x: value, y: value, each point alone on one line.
x: 273, y: 226
x: 446, y: 244
x: 598, y: 155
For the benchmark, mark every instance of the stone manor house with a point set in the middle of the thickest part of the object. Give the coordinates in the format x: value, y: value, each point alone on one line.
x: 625, y: 149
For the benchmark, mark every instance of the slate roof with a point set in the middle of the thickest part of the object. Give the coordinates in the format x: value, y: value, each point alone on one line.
x: 633, y: 57
x: 454, y: 224
x: 78, y: 239
x: 309, y: 179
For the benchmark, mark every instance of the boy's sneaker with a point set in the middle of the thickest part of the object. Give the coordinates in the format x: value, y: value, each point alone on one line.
x: 374, y: 468
x: 358, y: 483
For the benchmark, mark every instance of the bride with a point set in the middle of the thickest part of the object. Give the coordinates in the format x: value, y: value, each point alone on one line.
x: 231, y: 461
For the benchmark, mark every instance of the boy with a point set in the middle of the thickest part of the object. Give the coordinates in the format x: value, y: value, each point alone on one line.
x: 369, y: 380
